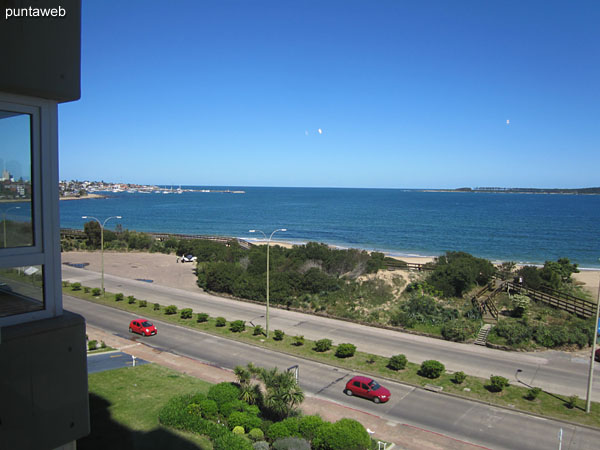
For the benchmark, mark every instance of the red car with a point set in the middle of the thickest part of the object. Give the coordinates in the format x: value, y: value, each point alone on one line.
x: 368, y: 388
x: 142, y: 326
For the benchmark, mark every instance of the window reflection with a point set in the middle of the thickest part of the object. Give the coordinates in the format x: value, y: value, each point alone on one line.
x: 21, y: 290
x: 15, y: 180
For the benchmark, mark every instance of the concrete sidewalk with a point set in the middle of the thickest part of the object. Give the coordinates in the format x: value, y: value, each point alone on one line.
x: 402, y: 435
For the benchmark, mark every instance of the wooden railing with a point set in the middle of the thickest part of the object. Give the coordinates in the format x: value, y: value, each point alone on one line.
x: 566, y: 302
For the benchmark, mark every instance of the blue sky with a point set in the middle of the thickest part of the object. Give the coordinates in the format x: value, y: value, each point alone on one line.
x: 406, y: 94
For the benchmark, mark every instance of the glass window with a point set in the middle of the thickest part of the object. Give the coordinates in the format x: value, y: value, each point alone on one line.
x: 15, y: 180
x: 21, y: 290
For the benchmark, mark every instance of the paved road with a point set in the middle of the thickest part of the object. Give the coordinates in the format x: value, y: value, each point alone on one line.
x: 99, y: 362
x: 473, y: 422
x: 558, y: 372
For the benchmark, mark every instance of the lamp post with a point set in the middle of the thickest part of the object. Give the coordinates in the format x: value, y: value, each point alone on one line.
x: 4, y: 221
x: 588, y: 402
x: 268, y: 242
x: 102, y: 241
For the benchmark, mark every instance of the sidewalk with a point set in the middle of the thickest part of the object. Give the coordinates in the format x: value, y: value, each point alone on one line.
x: 404, y: 436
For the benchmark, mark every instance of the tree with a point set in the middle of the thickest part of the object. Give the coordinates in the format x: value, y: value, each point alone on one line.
x: 457, y: 272
x: 281, y: 393
x: 93, y: 231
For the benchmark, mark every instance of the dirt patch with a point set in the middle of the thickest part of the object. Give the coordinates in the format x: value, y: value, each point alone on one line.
x: 157, y: 268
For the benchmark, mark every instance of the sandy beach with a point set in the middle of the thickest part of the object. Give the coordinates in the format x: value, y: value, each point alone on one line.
x: 166, y: 270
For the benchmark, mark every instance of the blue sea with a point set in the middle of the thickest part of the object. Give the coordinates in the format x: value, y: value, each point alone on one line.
x: 525, y: 228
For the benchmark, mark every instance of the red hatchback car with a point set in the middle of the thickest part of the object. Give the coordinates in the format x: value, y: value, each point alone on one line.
x: 368, y: 388
x: 142, y: 326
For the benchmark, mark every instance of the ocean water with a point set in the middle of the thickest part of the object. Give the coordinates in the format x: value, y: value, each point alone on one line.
x: 526, y: 228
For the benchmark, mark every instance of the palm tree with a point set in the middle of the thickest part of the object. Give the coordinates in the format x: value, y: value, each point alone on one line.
x: 281, y: 391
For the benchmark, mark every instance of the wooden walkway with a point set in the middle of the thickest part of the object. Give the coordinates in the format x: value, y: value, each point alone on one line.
x: 484, y: 299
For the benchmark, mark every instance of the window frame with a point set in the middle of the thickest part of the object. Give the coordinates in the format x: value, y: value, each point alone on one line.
x: 45, y: 250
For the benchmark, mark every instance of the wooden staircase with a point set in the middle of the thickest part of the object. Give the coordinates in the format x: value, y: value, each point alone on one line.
x: 483, y: 334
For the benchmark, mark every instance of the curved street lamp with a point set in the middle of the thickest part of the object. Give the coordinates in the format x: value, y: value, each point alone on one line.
x: 102, y: 240
x: 4, y: 221
x: 268, y: 242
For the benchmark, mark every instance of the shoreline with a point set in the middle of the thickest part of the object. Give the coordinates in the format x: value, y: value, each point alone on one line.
x: 85, y: 197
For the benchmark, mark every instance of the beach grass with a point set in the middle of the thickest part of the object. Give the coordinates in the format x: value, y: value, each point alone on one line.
x: 474, y: 388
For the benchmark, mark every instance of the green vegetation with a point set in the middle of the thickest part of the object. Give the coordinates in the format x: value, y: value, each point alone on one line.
x: 397, y: 362
x: 547, y: 404
x: 232, y: 419
x: 124, y: 406
x: 431, y: 369
x: 317, y: 279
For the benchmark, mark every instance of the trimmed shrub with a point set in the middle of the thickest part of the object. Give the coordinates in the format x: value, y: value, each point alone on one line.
x: 308, y: 426
x: 237, y: 326
x: 397, y: 362
x: 322, y: 345
x: 65, y: 283
x: 202, y: 317
x: 279, y: 430
x: 102, y: 344
x: 86, y: 290
x: 278, y: 335
x: 76, y: 286
x: 92, y: 345
x: 156, y: 306
x: 533, y: 393
x: 186, y: 313
x: 131, y: 299
x: 431, y: 369
x: 298, y: 341
x: 345, y: 434
x: 119, y: 297
x: 497, y: 383
x: 256, y: 434
x: 293, y: 424
x: 571, y: 401
x: 171, y: 309
x: 220, y: 322
x: 243, y: 419
x: 345, y: 350
x: 142, y: 303
x: 459, y: 377
x: 235, y: 405
x: 96, y: 292
x: 209, y: 408
x: 223, y: 392
x: 257, y: 330
x: 291, y: 443
x: 232, y: 441
x: 238, y: 430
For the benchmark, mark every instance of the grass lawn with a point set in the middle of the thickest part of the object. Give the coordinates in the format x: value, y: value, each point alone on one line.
x: 124, y: 406
x: 547, y: 404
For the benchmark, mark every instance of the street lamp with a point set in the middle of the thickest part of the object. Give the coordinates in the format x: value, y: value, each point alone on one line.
x: 4, y: 220
x: 268, y: 242
x: 102, y: 241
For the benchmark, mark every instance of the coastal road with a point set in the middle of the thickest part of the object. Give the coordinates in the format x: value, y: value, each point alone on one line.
x: 554, y: 371
x: 473, y: 422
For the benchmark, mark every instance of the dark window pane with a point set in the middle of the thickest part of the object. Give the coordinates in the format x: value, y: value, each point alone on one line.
x: 15, y: 180
x: 21, y: 290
